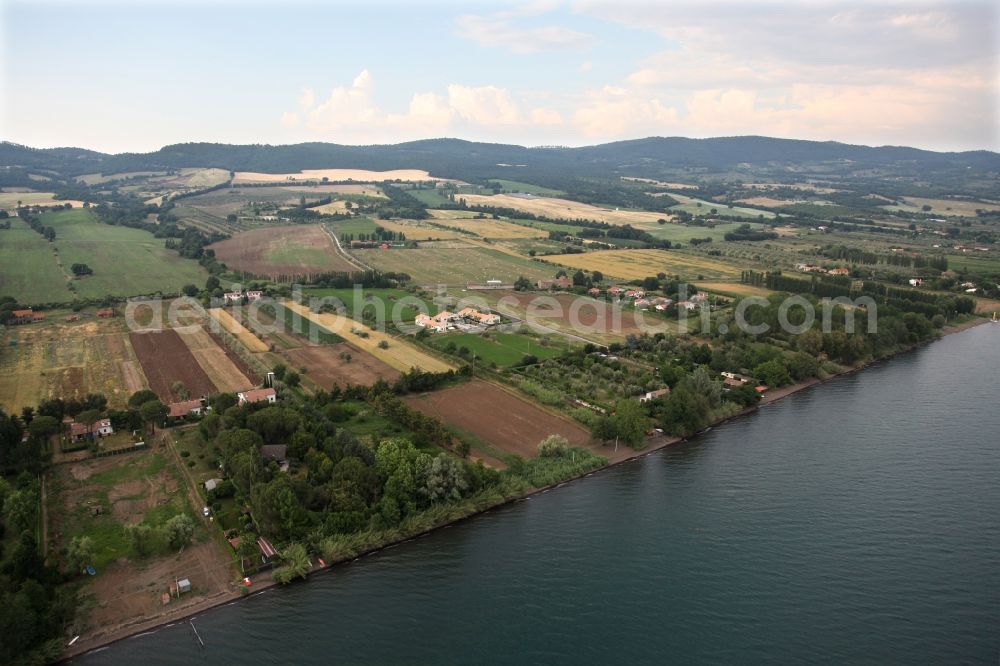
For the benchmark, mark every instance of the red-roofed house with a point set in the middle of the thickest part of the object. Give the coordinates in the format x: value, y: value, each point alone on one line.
x: 485, y: 318
x: 22, y: 316
x: 100, y: 428
x: 257, y: 395
x: 268, y: 553
x: 184, y: 409
x: 555, y: 283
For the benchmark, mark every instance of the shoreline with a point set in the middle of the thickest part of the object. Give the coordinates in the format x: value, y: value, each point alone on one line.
x: 188, y: 613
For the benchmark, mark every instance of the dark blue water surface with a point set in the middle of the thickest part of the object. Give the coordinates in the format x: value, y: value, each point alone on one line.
x: 856, y: 522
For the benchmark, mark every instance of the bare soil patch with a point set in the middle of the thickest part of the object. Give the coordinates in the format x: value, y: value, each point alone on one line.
x: 282, y: 251
x: 497, y: 417
x: 327, y: 368
x: 580, y: 313
x: 214, y: 360
x: 165, y: 360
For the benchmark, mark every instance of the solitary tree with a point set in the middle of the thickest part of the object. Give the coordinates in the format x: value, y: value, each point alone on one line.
x: 138, y: 398
x: 179, y: 530
x: 79, y: 553
x: 88, y: 418
x: 153, y: 412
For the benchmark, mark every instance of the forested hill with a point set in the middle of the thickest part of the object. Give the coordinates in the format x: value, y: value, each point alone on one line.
x: 453, y: 158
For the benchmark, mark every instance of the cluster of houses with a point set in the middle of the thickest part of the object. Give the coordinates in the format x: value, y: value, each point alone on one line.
x: 184, y: 409
x: 562, y: 282
x: 812, y: 268
x: 641, y: 301
x: 26, y: 316
x: 236, y: 297
x: 731, y: 380
x: 78, y: 432
x: 444, y: 320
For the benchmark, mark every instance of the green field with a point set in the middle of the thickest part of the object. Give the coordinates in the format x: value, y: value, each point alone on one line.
x: 361, y: 225
x: 691, y: 205
x: 548, y: 226
x: 503, y: 349
x: 527, y: 188
x: 963, y: 262
x: 432, y: 198
x: 456, y: 265
x: 387, y: 296
x: 125, y: 482
x: 126, y: 261
x: 28, y: 269
x: 682, y: 233
x: 290, y: 254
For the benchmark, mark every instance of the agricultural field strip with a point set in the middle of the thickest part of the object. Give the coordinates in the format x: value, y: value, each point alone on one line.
x: 637, y: 264
x: 563, y: 208
x: 361, y: 175
x: 213, y: 360
x: 59, y: 360
x: 488, y: 228
x: 238, y: 330
x: 400, y: 354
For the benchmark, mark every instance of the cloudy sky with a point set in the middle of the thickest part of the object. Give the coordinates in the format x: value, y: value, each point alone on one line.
x: 133, y: 76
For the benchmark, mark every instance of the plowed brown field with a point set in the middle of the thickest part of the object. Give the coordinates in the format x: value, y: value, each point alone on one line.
x: 505, y: 422
x: 326, y: 368
x: 165, y: 360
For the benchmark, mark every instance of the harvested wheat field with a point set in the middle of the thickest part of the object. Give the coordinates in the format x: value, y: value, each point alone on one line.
x: 563, y: 208
x: 734, y: 289
x: 214, y: 360
x: 282, y: 251
x: 420, y: 231
x: 399, y: 354
x: 332, y: 208
x: 238, y: 330
x: 502, y: 421
x: 494, y: 229
x: 637, y: 264
x: 166, y: 360
x: 327, y: 367
x: 333, y: 174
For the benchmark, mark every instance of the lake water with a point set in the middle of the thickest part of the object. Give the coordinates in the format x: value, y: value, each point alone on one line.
x: 855, y: 522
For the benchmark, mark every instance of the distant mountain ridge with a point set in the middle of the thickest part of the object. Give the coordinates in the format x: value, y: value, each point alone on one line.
x: 457, y: 158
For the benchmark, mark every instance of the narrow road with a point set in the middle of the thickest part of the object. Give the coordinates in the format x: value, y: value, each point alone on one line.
x: 166, y: 438
x: 340, y: 250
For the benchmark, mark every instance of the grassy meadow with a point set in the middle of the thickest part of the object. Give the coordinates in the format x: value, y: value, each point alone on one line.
x: 389, y: 297
x: 125, y: 261
x: 28, y: 267
x: 501, y: 349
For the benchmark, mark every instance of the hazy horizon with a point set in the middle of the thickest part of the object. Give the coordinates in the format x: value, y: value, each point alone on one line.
x: 508, y: 143
x: 119, y: 78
